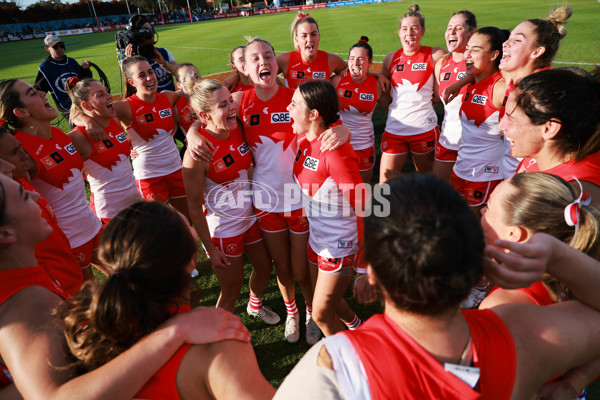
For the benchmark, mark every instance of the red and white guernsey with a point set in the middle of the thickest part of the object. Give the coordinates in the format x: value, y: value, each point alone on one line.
x: 163, y: 384
x: 60, y: 181
x: 240, y: 87
x: 482, y: 152
x: 108, y: 170
x: 357, y: 103
x: 227, y: 189
x: 330, y: 183
x: 397, y: 367
x: 300, y: 71
x: 186, y: 115
x: 587, y: 169
x: 54, y: 253
x: 150, y: 132
x: 268, y: 131
x: 411, y: 112
x: 450, y: 73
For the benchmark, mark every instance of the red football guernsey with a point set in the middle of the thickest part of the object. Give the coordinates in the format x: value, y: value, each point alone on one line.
x: 301, y: 71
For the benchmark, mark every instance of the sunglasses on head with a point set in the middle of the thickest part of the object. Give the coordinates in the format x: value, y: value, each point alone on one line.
x: 57, y: 45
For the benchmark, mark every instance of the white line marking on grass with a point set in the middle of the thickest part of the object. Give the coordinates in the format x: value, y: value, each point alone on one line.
x: 573, y: 63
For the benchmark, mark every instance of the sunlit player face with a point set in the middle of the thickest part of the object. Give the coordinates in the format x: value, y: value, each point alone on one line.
x: 457, y: 34
x: 525, y: 138
x: 358, y: 63
x: 260, y: 65
x: 299, y: 113
x: 143, y: 78
x: 307, y: 39
x: 410, y: 34
x: 222, y: 115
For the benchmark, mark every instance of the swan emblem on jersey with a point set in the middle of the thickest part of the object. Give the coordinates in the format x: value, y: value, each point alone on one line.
x: 481, y: 118
x: 149, y: 135
x: 405, y: 89
x: 286, y: 137
x: 266, y: 110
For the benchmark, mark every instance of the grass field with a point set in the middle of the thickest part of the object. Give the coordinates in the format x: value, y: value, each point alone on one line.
x: 207, y: 45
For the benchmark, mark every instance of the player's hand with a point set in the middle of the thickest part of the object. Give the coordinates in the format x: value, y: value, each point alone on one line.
x: 334, y: 137
x: 95, y: 130
x: 218, y: 259
x: 200, y: 149
x: 385, y: 83
x: 129, y: 50
x: 556, y: 390
x: 523, y: 263
x: 85, y: 64
x: 204, y: 325
x: 363, y: 290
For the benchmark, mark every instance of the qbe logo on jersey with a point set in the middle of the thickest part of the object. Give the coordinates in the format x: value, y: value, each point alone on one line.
x: 165, y: 113
x: 367, y: 97
x: 419, y: 66
x: 121, y: 137
x: 320, y: 75
x: 479, y: 99
x: 280, y: 117
x: 311, y: 163
x: 70, y: 148
x: 460, y: 75
x: 243, y: 148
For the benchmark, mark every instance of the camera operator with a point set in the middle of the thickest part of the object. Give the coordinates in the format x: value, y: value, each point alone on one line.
x: 161, y: 60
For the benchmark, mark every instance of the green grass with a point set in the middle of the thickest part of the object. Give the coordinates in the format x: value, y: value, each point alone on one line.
x: 207, y: 45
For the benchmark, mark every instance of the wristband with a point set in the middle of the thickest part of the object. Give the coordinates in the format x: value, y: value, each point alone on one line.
x: 361, y: 270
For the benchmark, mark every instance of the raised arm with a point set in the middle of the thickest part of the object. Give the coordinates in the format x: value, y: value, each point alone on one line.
x: 549, y: 340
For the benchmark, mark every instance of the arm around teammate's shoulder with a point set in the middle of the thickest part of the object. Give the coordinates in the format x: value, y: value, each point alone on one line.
x: 222, y: 370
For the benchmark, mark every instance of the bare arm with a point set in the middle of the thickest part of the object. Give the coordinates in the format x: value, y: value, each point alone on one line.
x: 570, y: 385
x: 194, y: 173
x: 453, y: 90
x: 170, y: 66
x: 31, y: 345
x: 499, y: 92
x: 93, y: 128
x: 436, y: 80
x: 82, y: 144
x: 549, y: 340
x: 231, y: 82
x: 233, y: 369
x: 283, y: 61
x: 504, y: 296
x: 386, y: 98
x: 336, y: 64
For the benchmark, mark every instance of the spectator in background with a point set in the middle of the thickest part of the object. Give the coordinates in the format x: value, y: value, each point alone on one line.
x: 56, y: 69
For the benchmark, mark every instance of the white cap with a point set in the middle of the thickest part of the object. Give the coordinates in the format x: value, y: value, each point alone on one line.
x: 51, y: 38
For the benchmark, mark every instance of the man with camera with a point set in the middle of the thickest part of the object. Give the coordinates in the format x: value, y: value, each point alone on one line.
x: 56, y: 69
x: 139, y: 38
